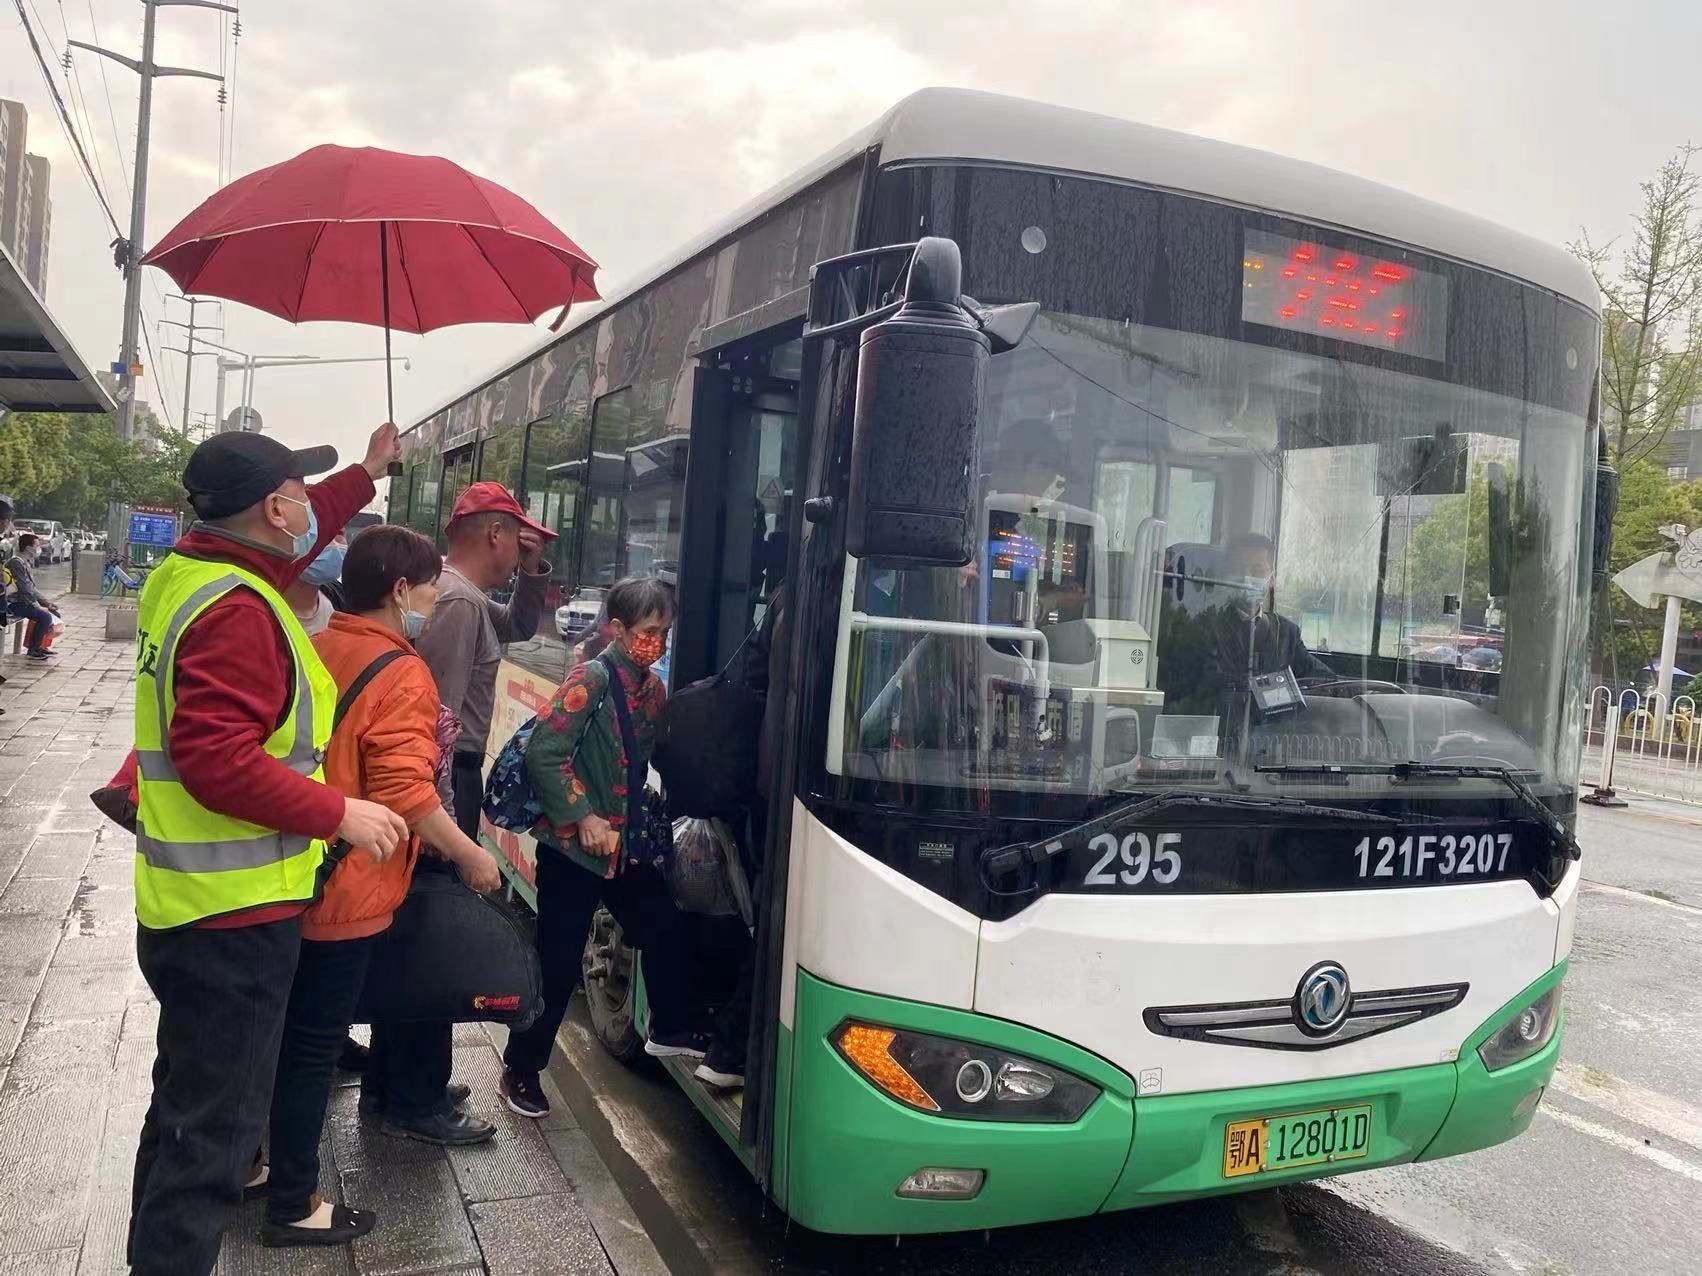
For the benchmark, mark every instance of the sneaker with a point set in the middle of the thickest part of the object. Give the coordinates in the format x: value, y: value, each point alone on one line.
x: 523, y: 1095
x: 346, y: 1225
x: 39, y: 655
x: 672, y: 1045
x: 459, y: 1130
x: 720, y: 1073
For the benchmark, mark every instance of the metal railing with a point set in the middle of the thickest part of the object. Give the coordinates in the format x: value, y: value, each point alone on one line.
x: 1642, y: 743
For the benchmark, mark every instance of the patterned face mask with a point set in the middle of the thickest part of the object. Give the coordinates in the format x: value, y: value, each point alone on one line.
x: 646, y: 649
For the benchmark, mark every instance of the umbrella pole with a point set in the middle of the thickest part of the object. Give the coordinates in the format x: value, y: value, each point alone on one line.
x: 395, y: 467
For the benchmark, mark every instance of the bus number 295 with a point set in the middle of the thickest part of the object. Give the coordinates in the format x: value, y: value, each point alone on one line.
x: 1467, y: 855
x: 1141, y: 855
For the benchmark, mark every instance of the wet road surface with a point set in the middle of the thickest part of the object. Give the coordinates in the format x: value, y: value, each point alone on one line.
x: 1607, y: 1180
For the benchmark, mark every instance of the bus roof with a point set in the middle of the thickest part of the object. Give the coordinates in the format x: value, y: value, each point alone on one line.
x: 942, y: 124
x: 963, y: 124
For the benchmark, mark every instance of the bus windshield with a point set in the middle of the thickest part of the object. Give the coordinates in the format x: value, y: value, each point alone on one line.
x: 1206, y: 562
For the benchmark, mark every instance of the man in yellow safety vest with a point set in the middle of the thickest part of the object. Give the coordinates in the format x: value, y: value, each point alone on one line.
x: 233, y: 714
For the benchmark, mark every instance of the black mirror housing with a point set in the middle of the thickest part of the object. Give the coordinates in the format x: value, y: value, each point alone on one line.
x: 915, y: 441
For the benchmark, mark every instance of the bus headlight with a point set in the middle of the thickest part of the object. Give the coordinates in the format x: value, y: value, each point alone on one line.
x: 952, y: 1078
x: 1524, y: 1034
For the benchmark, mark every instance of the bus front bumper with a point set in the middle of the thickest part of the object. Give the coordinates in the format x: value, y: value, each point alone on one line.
x: 847, y: 1147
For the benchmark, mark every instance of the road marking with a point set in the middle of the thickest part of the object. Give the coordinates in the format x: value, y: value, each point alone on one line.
x: 1666, y: 1160
x: 1630, y: 1102
x: 1642, y: 898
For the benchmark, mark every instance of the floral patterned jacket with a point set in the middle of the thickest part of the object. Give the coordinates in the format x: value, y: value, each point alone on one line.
x: 571, y: 785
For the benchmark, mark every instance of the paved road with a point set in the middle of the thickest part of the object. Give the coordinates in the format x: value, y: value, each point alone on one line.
x: 1608, y: 1180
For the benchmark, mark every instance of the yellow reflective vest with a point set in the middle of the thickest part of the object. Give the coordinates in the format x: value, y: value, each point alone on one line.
x: 192, y: 863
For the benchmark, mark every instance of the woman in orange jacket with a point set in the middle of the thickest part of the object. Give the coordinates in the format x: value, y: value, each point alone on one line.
x: 385, y: 749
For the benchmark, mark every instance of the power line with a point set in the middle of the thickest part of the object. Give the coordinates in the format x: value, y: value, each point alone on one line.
x: 112, y: 115
x: 65, y: 121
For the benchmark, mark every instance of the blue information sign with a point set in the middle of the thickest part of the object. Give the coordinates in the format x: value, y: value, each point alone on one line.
x: 153, y: 529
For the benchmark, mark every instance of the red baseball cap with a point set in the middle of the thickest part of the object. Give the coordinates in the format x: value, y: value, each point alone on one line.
x: 494, y: 498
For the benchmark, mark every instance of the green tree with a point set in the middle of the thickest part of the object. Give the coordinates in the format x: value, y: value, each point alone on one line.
x: 1648, y: 501
x: 1651, y: 311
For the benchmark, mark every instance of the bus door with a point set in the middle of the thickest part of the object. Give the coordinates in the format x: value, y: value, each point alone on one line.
x: 739, y: 482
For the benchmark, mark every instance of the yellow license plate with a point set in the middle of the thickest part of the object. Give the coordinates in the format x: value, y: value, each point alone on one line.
x: 1320, y: 1137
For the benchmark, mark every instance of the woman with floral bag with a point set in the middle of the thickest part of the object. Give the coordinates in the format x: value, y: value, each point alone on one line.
x: 586, y: 761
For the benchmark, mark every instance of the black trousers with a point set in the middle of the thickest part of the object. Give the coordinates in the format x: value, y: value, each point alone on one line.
x: 411, y: 1062
x: 467, y: 789
x: 222, y: 996
x: 41, y: 620
x: 567, y: 898
x: 327, y: 986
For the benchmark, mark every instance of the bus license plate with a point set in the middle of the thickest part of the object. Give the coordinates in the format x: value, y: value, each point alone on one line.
x: 1294, y: 1139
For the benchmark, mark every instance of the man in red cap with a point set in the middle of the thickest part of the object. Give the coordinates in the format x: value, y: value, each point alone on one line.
x: 489, y: 538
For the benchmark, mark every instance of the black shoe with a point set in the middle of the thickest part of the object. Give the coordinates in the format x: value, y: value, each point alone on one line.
x: 38, y: 655
x: 523, y: 1095
x: 346, y: 1225
x: 667, y: 1045
x: 257, y: 1191
x: 371, y: 1102
x: 721, y: 1068
x: 457, y: 1093
x: 458, y: 1130
x: 354, y: 1057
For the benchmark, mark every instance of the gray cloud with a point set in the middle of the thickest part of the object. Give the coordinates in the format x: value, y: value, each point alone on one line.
x: 636, y: 126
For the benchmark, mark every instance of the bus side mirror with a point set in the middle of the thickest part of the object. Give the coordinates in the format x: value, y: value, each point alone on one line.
x: 914, y: 458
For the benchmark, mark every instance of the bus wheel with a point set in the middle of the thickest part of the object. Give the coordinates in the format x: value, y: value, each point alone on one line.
x: 608, y: 970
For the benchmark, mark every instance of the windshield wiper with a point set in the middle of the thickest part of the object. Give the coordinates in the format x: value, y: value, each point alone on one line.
x: 1001, y: 861
x: 1529, y: 801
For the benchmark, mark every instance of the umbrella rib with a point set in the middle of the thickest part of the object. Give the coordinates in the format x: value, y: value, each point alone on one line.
x: 307, y: 270
x: 479, y: 248
x: 407, y: 276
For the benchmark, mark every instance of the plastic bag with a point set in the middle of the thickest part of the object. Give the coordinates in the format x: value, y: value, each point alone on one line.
x: 704, y: 874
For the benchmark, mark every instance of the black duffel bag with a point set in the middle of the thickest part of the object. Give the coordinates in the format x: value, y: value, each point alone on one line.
x: 451, y: 955
x: 706, y: 746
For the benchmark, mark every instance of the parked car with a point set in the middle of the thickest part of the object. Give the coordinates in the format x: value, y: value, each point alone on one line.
x: 576, y: 616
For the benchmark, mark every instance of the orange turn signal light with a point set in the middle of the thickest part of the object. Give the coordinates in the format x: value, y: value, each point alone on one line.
x: 870, y: 1052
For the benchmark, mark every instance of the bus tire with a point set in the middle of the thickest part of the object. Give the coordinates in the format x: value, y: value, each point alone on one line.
x: 607, y: 966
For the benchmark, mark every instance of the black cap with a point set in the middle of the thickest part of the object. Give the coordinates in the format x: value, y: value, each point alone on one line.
x: 232, y: 471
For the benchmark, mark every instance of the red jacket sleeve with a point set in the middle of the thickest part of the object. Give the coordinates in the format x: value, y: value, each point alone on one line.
x: 230, y: 684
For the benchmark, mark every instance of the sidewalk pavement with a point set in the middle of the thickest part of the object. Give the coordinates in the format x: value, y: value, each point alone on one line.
x: 76, y: 1045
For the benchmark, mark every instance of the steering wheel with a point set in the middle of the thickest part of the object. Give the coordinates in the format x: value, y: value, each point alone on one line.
x: 1345, y: 688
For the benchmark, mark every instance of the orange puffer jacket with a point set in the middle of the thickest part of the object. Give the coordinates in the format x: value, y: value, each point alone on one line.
x: 385, y: 751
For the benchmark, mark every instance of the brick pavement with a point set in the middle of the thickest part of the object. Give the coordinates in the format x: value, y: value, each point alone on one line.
x: 76, y: 1028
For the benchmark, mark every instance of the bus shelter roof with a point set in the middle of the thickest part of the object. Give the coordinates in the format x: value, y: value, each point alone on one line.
x: 40, y: 370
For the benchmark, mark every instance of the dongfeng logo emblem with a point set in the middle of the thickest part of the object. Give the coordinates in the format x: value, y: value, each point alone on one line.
x: 1322, y: 1000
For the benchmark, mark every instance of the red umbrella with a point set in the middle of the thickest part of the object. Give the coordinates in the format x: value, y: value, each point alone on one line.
x: 412, y: 242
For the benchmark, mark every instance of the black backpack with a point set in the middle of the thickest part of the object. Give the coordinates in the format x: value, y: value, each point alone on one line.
x: 706, y: 746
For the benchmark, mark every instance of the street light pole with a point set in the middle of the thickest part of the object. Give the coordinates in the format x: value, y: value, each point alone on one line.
x: 129, y: 251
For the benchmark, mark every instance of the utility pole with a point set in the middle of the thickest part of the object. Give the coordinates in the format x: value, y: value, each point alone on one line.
x: 190, y: 352
x: 127, y: 252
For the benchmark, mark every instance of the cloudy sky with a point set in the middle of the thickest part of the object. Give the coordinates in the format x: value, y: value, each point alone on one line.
x: 635, y: 126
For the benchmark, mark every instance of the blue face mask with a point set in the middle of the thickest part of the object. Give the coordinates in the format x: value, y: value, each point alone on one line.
x: 327, y: 567
x: 304, y: 541
x: 413, y: 622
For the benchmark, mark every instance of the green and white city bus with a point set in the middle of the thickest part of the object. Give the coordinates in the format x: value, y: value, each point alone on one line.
x: 1185, y: 617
